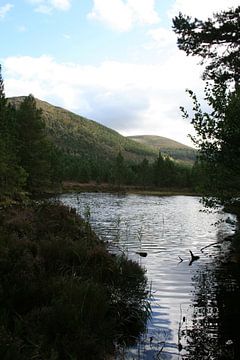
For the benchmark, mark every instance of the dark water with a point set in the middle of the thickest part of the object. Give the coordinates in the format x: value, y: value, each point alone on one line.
x: 195, y: 309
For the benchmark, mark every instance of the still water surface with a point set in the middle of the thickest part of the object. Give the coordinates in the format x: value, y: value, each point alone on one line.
x: 195, y: 309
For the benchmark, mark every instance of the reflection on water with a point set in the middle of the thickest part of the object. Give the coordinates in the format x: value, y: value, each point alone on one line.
x: 214, y: 333
x: 194, y: 308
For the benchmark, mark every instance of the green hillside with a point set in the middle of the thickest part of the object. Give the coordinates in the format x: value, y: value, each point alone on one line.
x: 78, y: 136
x: 173, y: 148
x: 81, y: 137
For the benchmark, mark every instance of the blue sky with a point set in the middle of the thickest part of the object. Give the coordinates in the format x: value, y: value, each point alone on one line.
x: 114, y: 61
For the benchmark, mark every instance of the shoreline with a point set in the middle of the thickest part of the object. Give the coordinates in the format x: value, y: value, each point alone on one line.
x: 69, y: 186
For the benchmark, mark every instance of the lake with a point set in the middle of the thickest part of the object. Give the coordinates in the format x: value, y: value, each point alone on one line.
x: 195, y: 306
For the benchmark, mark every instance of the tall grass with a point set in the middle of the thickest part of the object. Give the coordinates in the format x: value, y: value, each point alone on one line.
x: 62, y: 294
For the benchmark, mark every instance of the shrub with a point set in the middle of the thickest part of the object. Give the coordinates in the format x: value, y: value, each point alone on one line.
x: 62, y: 294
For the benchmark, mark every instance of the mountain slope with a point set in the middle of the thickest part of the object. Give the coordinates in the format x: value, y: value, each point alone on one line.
x: 171, y: 147
x: 159, y: 142
x: 86, y: 138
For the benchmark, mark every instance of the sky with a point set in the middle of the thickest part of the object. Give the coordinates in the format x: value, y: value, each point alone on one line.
x: 113, y: 61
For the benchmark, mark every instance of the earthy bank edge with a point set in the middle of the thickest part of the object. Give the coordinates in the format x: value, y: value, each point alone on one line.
x: 62, y: 294
x: 70, y: 186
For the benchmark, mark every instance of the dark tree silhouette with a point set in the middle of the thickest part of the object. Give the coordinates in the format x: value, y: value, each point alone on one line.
x: 216, y: 41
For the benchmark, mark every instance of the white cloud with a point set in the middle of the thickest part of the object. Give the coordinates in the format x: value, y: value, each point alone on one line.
x: 5, y: 9
x: 114, y: 13
x: 162, y: 38
x: 47, y: 6
x: 200, y: 9
x: 143, y: 11
x: 61, y: 4
x: 130, y: 98
x: 121, y: 16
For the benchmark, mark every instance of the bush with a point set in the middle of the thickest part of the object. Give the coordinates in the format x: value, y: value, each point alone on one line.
x: 62, y: 294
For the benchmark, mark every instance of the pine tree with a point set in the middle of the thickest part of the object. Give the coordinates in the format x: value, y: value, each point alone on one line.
x: 158, y: 166
x: 144, y: 173
x: 216, y: 41
x: 119, y: 169
x: 12, y: 175
x: 34, y: 148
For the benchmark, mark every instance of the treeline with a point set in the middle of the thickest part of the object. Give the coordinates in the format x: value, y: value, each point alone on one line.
x: 188, y: 155
x: 163, y: 172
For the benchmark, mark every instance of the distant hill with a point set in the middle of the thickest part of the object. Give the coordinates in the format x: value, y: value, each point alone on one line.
x: 83, y: 138
x: 79, y: 136
x: 159, y: 142
x: 171, y: 147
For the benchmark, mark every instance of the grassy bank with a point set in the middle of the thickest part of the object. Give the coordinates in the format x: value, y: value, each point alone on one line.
x: 62, y: 294
x: 69, y: 186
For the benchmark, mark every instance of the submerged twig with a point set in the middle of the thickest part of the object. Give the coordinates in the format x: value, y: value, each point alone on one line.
x: 141, y: 253
x: 216, y: 243
x: 205, y: 247
x: 159, y: 351
x: 193, y: 258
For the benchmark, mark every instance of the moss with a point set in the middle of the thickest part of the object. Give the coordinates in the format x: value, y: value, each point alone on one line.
x: 62, y: 294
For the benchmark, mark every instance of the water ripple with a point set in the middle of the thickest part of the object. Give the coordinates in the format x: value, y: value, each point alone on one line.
x: 165, y: 228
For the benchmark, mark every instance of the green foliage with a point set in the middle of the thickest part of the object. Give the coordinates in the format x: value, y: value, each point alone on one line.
x: 217, y: 131
x: 119, y: 169
x: 53, y: 144
x: 34, y: 150
x: 199, y: 175
x: 162, y: 173
x: 84, y: 138
x: 28, y: 160
x: 145, y: 173
x: 159, y: 174
x: 216, y: 41
x: 87, y: 151
x: 174, y: 149
x: 12, y: 175
x: 62, y: 295
x: 218, y: 137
